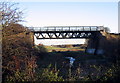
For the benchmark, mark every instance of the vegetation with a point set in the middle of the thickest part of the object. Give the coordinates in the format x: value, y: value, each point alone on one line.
x: 24, y: 62
x: 10, y: 13
x: 65, y: 48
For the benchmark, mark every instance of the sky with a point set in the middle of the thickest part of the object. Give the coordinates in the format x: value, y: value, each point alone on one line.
x: 65, y: 0
x: 70, y: 13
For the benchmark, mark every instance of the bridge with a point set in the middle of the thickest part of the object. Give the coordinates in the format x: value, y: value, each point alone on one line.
x: 66, y: 32
x: 93, y: 33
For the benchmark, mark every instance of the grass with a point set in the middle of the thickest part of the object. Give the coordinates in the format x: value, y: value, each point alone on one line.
x: 83, y: 65
x: 75, y: 52
x: 53, y: 48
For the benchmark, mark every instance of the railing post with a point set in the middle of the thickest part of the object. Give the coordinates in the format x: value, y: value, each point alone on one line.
x: 40, y: 28
x: 83, y: 28
x: 69, y: 28
x: 54, y: 28
x: 62, y: 28
x: 90, y: 28
x: 96, y: 28
x: 47, y: 28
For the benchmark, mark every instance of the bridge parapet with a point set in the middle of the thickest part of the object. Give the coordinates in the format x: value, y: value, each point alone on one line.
x: 67, y: 28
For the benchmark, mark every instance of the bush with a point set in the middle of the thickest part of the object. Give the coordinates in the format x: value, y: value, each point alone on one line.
x: 49, y: 74
x: 13, y: 29
x: 17, y: 50
x: 40, y: 49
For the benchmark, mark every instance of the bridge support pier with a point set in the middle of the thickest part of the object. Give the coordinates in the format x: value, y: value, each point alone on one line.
x: 96, y: 44
x: 93, y: 44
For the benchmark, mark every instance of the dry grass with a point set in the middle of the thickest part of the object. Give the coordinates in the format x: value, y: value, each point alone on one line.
x: 53, y: 48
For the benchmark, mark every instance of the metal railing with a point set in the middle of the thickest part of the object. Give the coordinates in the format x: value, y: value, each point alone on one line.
x: 67, y: 28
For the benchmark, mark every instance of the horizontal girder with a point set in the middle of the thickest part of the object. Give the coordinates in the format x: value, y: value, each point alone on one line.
x: 65, y: 32
x: 63, y: 35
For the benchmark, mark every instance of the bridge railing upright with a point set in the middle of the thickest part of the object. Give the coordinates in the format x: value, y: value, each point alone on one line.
x: 67, y: 28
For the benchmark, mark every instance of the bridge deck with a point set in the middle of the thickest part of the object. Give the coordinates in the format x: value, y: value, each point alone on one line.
x: 65, y: 32
x: 66, y: 28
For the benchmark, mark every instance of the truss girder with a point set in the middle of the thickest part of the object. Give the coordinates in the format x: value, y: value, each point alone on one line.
x: 62, y: 35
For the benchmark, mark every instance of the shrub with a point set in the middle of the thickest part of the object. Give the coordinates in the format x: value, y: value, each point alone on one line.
x: 49, y: 74
x: 13, y: 29
x: 17, y: 50
x: 40, y: 49
x: 21, y: 69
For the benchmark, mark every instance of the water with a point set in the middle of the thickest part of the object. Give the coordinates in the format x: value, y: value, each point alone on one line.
x: 91, y: 51
x: 71, y: 59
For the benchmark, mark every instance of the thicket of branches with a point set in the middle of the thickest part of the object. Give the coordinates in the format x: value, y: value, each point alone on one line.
x: 18, y: 53
x: 16, y: 44
x: 10, y: 13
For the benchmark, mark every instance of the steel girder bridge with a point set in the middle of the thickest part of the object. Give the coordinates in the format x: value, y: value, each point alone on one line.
x: 66, y: 32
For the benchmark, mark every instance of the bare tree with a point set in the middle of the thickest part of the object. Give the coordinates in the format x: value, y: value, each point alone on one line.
x: 9, y: 13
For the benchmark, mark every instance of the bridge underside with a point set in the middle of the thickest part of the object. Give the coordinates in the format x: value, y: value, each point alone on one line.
x: 64, y: 34
x: 70, y: 32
